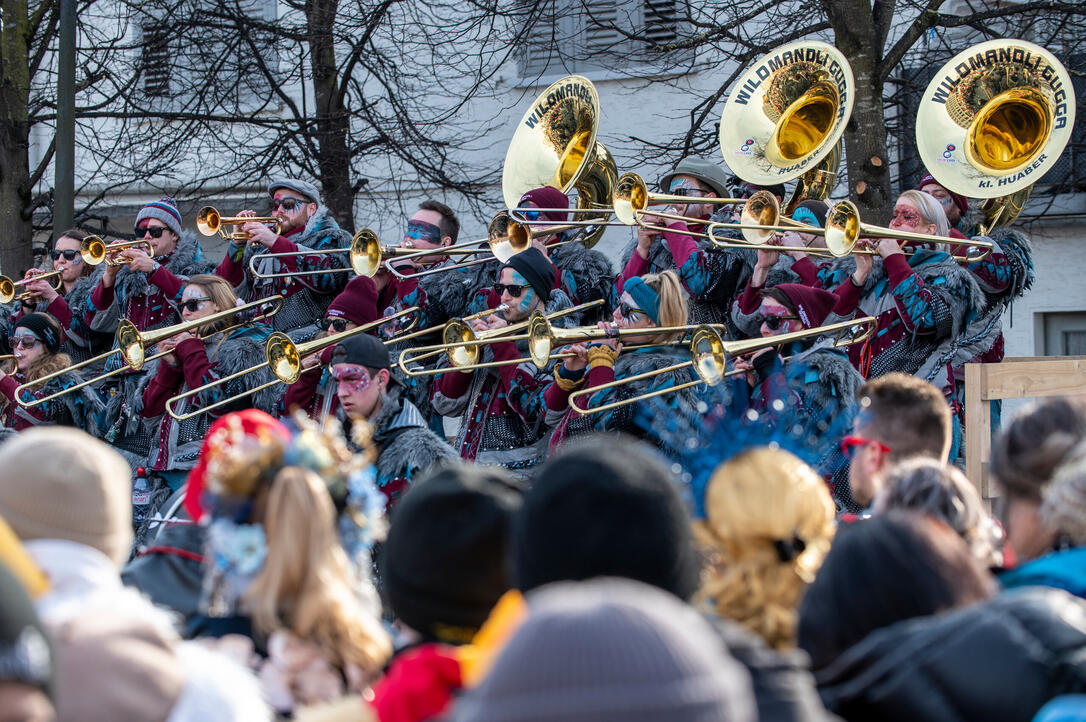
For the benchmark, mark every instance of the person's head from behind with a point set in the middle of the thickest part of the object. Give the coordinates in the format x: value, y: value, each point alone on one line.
x: 768, y: 525
x: 446, y: 559
x: 884, y: 570
x: 57, y: 482
x: 1025, y: 455
x: 604, y: 506
x: 1063, y: 511
x: 26, y: 658
x: 926, y: 486
x: 899, y: 417
x: 610, y: 650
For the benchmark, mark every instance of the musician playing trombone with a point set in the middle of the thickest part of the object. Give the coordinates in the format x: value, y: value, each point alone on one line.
x: 304, y: 224
x: 196, y: 359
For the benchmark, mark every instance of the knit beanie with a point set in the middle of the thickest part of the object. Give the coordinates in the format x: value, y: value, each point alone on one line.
x: 611, y: 650
x: 548, y: 197
x: 45, y: 327
x: 959, y: 200
x: 535, y: 267
x: 25, y: 653
x: 357, y: 302
x: 165, y: 210
x: 301, y: 187
x: 812, y: 305
x: 446, y: 556
x: 58, y: 482
x: 604, y: 506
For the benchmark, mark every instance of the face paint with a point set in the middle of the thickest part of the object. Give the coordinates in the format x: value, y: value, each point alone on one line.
x: 421, y: 231
x: 351, y: 379
x: 527, y: 301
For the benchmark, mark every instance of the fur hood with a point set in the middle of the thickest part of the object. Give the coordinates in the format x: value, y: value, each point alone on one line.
x: 413, y: 447
x: 187, y: 259
x: 82, y: 406
x: 824, y: 376
x: 591, y: 270
x: 321, y: 231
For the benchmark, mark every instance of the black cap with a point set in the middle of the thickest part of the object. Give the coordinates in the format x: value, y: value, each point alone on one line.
x: 363, y: 350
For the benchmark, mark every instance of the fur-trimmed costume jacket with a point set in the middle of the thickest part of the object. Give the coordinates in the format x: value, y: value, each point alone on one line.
x: 585, y: 275
x: 307, y: 296
x: 501, y: 409
x: 202, y: 361
x: 77, y: 409
x: 80, y: 342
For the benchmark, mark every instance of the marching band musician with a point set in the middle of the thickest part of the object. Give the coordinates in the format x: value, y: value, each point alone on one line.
x: 315, y: 391
x: 646, y: 302
x: 368, y: 390
x: 197, y: 359
x: 65, y: 304
x: 36, y: 344
x: 305, y: 224
x: 501, y: 409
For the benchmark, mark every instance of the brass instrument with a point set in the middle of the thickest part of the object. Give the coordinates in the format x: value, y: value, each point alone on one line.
x: 709, y: 354
x: 787, y: 113
x: 632, y: 199
x: 283, y: 359
x: 817, y: 183
x: 209, y: 222
x: 463, y: 345
x: 7, y: 286
x: 132, y: 345
x: 844, y: 229
x: 94, y: 250
x: 501, y: 308
x: 993, y: 121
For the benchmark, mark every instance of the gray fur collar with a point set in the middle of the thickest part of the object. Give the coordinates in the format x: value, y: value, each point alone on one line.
x: 634, y: 363
x: 833, y: 368
x: 321, y: 225
x: 412, y: 452
x: 590, y: 267
x: 187, y: 259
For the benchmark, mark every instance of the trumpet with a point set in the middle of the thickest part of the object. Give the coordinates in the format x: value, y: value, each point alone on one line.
x: 463, y: 345
x: 283, y: 359
x: 132, y: 344
x: 709, y: 354
x: 94, y: 250
x: 7, y: 286
x: 209, y: 222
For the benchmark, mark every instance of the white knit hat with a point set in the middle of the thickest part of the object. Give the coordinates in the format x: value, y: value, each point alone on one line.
x: 57, y: 482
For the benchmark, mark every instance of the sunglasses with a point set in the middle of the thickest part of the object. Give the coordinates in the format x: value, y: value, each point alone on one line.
x: 193, y: 304
x: 774, y: 323
x: 531, y: 215
x: 68, y: 255
x: 849, y: 444
x: 628, y: 312
x: 513, y: 289
x: 338, y: 325
x: 24, y: 342
x: 287, y: 204
x: 153, y: 232
x: 689, y: 192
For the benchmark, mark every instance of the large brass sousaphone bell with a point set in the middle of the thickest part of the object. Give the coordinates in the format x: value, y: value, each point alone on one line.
x: 993, y: 121
x: 787, y: 113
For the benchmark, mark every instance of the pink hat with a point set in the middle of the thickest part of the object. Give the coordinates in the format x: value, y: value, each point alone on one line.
x: 548, y: 197
x: 812, y: 305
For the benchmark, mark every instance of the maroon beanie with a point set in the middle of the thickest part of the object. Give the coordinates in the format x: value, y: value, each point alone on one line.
x: 812, y: 305
x: 959, y: 200
x: 548, y: 197
x: 357, y: 303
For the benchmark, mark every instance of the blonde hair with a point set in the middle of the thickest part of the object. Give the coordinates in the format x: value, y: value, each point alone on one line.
x: 46, y: 364
x: 673, y: 309
x: 931, y: 211
x: 221, y: 294
x: 769, y: 521
x: 305, y: 585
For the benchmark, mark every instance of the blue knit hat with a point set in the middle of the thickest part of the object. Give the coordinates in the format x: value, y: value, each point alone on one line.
x: 165, y: 210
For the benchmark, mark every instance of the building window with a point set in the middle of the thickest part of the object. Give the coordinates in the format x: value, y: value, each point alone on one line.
x: 155, y: 60
x: 1065, y: 334
x: 575, y: 36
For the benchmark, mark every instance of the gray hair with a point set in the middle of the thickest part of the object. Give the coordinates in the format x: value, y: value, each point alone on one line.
x: 1063, y: 509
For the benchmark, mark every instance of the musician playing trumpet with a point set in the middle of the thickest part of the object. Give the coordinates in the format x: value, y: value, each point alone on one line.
x: 199, y: 356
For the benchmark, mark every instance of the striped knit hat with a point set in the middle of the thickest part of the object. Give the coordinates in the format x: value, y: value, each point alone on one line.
x: 165, y: 210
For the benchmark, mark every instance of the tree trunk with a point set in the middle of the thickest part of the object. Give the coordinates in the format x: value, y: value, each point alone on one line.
x: 332, y: 120
x: 17, y: 234
x: 865, y: 136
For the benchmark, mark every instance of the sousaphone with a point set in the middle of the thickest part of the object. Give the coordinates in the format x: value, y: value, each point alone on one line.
x: 993, y: 121
x: 555, y: 144
x: 786, y: 115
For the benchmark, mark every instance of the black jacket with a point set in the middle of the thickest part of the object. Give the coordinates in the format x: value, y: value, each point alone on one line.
x: 997, y: 661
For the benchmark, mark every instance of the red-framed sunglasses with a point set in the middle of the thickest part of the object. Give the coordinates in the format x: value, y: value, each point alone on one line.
x: 849, y: 444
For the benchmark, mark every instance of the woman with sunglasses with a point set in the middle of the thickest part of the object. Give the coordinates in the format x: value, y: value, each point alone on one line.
x: 197, y: 358
x: 646, y: 302
x: 923, y: 302
x: 65, y: 303
x: 36, y: 344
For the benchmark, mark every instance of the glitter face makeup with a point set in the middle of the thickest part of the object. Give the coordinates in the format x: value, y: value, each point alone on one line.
x: 351, y: 379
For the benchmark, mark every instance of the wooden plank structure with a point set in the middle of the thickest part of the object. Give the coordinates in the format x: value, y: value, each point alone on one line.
x: 1021, y: 377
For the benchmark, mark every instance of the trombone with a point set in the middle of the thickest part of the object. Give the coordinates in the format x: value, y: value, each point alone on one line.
x: 7, y: 286
x: 283, y: 359
x: 210, y: 222
x: 463, y: 345
x: 94, y: 250
x: 501, y: 308
x: 709, y: 354
x: 132, y: 345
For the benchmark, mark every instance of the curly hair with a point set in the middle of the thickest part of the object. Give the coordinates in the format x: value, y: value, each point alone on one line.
x: 769, y: 523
